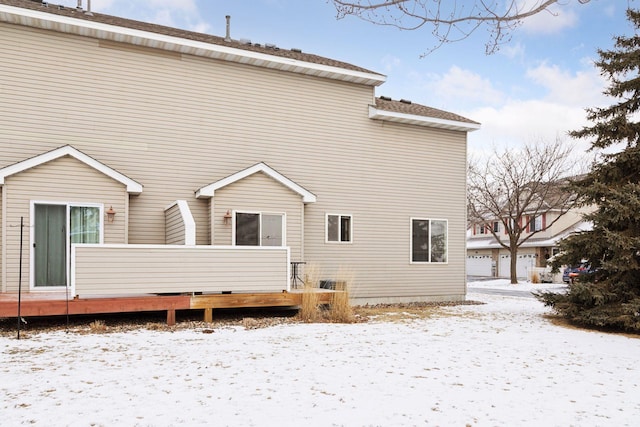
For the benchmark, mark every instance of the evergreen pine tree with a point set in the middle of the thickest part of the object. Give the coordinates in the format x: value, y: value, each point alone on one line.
x: 610, y: 297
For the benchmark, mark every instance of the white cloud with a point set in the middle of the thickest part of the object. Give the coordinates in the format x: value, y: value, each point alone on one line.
x: 390, y: 63
x: 518, y: 122
x: 558, y: 109
x: 584, y: 87
x: 555, y: 18
x: 174, y: 13
x: 460, y: 86
x: 512, y: 50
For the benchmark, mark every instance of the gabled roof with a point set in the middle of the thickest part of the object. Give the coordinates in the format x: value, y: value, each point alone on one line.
x: 473, y: 243
x: 106, y: 27
x: 132, y: 186
x: 404, y: 111
x: 209, y: 190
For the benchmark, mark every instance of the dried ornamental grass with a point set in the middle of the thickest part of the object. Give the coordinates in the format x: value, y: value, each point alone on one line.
x: 310, y: 308
x: 340, y: 310
x: 98, y: 326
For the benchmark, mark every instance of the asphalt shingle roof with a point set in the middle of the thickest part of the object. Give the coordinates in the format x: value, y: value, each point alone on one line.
x: 408, y: 107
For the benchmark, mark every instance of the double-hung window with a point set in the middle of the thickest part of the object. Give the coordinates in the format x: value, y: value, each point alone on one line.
x: 428, y: 240
x: 339, y: 228
x: 259, y: 229
x: 535, y: 223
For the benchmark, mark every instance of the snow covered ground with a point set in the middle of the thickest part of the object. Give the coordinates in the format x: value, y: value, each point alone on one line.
x: 501, y: 363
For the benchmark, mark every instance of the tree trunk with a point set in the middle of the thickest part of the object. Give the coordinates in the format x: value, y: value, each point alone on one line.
x: 514, y: 263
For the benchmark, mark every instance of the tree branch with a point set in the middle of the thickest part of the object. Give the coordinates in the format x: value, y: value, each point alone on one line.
x: 451, y: 20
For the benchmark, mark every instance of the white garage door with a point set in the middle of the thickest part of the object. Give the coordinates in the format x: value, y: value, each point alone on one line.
x: 524, y: 265
x: 479, y: 265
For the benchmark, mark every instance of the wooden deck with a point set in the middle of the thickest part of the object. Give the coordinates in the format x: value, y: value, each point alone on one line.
x: 57, y: 304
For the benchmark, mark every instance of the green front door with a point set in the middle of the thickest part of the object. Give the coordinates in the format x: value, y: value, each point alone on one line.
x: 50, y: 245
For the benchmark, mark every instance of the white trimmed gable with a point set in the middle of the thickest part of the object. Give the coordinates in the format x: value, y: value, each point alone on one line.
x: 209, y: 190
x: 132, y: 186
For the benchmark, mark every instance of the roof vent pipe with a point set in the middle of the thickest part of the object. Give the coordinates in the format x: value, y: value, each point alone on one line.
x: 79, y: 6
x: 227, y: 38
x: 88, y: 12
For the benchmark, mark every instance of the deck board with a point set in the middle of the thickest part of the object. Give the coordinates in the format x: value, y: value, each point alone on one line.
x: 56, y: 304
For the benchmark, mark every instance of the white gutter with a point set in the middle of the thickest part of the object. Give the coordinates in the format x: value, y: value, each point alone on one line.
x: 392, y: 116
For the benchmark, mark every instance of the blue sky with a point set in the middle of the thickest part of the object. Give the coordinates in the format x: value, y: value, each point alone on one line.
x: 535, y: 88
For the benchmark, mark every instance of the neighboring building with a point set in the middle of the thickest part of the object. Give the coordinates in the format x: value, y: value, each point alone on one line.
x: 147, y: 159
x: 486, y: 257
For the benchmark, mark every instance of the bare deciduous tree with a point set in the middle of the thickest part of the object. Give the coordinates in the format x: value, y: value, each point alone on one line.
x: 515, y: 186
x: 450, y: 20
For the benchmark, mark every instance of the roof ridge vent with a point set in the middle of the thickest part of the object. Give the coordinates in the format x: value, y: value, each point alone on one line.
x: 385, y: 98
x: 405, y: 101
x: 295, y: 49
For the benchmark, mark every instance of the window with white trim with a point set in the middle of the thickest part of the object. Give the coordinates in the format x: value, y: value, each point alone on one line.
x: 259, y: 229
x: 339, y: 228
x: 429, y: 240
x: 535, y: 223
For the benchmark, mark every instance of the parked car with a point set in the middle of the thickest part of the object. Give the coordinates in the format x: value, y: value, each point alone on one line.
x: 572, y: 272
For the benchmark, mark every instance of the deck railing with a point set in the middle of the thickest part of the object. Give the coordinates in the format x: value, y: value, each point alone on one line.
x: 98, y: 270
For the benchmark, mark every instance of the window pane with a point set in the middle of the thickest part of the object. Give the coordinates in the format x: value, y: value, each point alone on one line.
x: 50, y: 245
x: 247, y: 229
x: 438, y: 241
x: 345, y: 229
x: 85, y: 224
x: 538, y: 223
x: 420, y: 240
x: 333, y: 228
x: 271, y: 230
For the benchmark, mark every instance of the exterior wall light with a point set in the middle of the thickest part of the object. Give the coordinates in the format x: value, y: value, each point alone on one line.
x: 111, y: 214
x: 227, y: 217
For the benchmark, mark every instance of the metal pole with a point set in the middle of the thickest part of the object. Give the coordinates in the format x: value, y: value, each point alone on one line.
x: 20, y: 278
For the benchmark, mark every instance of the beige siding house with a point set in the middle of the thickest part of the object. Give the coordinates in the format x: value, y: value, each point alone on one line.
x: 486, y: 257
x: 146, y: 159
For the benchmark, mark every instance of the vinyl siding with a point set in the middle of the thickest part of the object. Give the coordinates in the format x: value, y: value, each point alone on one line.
x: 64, y: 180
x: 174, y: 229
x: 2, y: 245
x: 259, y: 193
x: 177, y: 123
x: 134, y: 269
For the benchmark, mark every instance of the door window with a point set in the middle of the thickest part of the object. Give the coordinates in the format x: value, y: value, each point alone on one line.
x: 57, y: 226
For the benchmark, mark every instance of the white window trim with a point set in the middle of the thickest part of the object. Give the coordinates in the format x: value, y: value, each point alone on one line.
x: 32, y: 253
x: 537, y: 223
x: 326, y: 229
x: 260, y: 213
x: 420, y: 218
